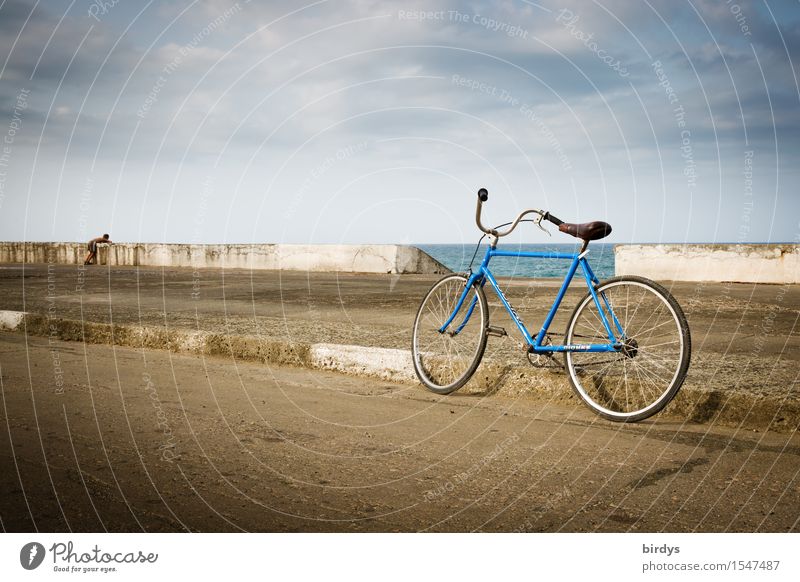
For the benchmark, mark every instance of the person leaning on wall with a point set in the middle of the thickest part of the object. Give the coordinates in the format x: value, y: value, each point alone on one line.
x: 91, y: 258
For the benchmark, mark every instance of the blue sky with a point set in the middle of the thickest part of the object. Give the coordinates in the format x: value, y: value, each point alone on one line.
x: 375, y: 121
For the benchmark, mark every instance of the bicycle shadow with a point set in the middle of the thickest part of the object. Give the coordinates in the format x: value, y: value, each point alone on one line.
x: 496, y: 377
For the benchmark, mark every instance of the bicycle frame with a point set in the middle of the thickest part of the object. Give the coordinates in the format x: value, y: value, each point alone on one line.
x: 615, y: 340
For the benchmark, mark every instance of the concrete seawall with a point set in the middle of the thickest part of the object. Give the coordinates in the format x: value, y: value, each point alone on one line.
x: 740, y: 263
x: 395, y: 259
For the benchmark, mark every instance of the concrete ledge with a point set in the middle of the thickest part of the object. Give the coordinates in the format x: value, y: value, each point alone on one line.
x: 11, y: 320
x: 385, y: 363
x: 395, y: 259
x: 550, y: 385
x: 739, y: 263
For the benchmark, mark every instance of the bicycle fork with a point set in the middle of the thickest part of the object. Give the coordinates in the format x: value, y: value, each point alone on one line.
x: 470, y: 282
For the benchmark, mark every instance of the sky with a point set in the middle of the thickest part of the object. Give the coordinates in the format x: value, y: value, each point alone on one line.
x: 369, y: 121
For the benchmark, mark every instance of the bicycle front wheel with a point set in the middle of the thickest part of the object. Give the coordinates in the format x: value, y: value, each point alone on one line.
x: 645, y: 374
x: 445, y: 361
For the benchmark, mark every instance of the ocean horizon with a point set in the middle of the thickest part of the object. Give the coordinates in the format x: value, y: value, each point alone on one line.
x: 457, y: 258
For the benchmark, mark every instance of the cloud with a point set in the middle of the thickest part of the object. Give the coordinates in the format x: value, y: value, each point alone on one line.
x: 556, y: 97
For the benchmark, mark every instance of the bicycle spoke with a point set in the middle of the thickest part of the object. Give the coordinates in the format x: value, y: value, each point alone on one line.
x: 663, y: 323
x: 649, y: 346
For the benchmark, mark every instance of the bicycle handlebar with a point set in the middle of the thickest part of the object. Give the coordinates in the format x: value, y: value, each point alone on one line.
x: 553, y: 219
x: 483, y: 196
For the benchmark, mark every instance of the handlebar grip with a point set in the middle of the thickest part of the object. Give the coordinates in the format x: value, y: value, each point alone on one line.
x: 483, y: 194
x: 553, y: 219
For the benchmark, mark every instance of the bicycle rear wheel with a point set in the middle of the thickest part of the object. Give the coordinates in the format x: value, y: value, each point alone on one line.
x: 645, y: 374
x: 445, y: 361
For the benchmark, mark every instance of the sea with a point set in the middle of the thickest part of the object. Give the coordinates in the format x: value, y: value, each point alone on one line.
x: 456, y: 257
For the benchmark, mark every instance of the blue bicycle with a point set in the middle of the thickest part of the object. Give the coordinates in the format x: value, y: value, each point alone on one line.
x: 626, y: 348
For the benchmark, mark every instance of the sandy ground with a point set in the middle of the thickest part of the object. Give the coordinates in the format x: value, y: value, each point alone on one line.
x: 120, y: 439
x: 745, y: 337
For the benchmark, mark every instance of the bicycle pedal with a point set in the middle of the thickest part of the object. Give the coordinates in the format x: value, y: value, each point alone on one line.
x: 498, y: 331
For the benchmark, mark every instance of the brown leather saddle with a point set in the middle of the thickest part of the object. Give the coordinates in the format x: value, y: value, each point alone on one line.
x: 587, y: 231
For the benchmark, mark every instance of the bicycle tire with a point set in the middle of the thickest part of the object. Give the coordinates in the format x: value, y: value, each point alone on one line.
x: 639, y: 380
x: 444, y: 362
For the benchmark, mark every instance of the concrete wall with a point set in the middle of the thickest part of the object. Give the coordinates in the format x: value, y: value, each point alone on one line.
x: 334, y: 258
x: 744, y: 263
